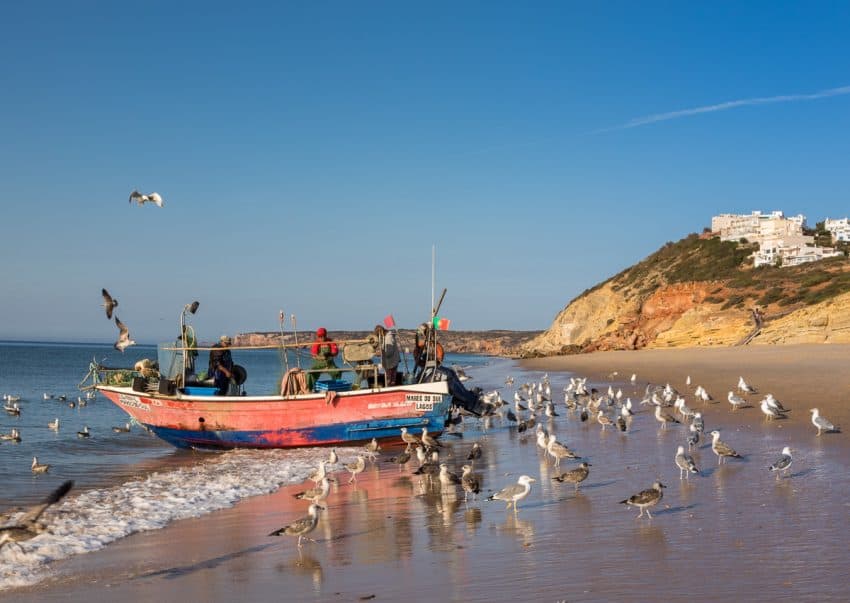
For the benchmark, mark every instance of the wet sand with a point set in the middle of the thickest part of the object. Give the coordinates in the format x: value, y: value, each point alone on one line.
x: 734, y: 532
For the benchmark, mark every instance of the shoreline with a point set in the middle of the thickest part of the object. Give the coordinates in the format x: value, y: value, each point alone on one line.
x: 384, y: 537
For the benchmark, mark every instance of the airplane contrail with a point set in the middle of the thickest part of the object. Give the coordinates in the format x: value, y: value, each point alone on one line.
x: 763, y: 100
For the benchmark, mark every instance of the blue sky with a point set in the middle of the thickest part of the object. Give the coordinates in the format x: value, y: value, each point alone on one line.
x: 310, y: 154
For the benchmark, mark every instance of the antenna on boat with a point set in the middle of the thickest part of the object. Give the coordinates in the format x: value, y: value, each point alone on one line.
x: 295, y: 331
x: 284, y: 355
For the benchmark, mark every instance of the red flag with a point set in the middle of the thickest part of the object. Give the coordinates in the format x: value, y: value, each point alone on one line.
x: 389, y: 321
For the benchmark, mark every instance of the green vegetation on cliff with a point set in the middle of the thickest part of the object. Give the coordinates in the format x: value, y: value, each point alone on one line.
x: 729, y: 264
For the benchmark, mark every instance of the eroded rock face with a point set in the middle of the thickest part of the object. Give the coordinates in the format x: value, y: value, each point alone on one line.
x: 682, y: 315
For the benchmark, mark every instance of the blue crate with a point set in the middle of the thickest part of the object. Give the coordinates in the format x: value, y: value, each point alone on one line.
x: 200, y: 391
x: 334, y: 385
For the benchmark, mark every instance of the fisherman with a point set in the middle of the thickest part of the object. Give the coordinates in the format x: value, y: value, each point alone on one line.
x: 422, y: 353
x: 323, y: 351
x: 388, y: 348
x: 221, y: 365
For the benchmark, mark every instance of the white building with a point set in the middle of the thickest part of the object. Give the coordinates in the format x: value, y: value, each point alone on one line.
x: 756, y: 226
x: 781, y: 240
x: 839, y: 229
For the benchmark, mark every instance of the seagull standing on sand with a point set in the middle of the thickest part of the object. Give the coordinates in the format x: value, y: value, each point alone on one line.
x: 302, y: 527
x: 783, y: 463
x: 736, y: 401
x: 645, y: 499
x: 317, y: 494
x: 28, y: 526
x: 559, y: 451
x: 685, y: 463
x: 447, y: 479
x: 124, y: 340
x: 575, y: 476
x: 822, y: 423
x: 770, y: 412
x: 474, y: 452
x: 429, y: 440
x: 469, y: 483
x: 721, y: 449
x: 746, y: 387
x: 664, y: 418
x: 409, y: 438
x: 109, y: 303
x: 333, y: 459
x: 141, y: 199
x: 514, y: 493
x: 356, y: 467
x: 319, y: 474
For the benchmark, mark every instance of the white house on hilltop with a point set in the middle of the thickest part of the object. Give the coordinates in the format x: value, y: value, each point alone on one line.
x: 781, y: 240
x: 839, y: 229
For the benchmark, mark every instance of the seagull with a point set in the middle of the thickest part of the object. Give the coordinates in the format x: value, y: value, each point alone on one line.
x: 356, y: 467
x: 141, y: 199
x: 770, y: 412
x: 633, y: 378
x: 783, y: 463
x: 774, y: 403
x: 372, y: 448
x: 575, y: 476
x: 28, y: 526
x: 54, y: 425
x: 475, y: 452
x: 622, y: 424
x: 319, y: 474
x: 514, y: 493
x: 602, y: 419
x: 109, y: 302
x: 664, y: 418
x: 469, y: 483
x: 721, y: 449
x: 316, y: 494
x: 333, y: 459
x: 429, y: 440
x: 645, y: 499
x: 693, y: 436
x: 84, y: 433
x: 401, y: 459
x: 736, y: 401
x: 685, y: 463
x: 559, y: 451
x: 119, y: 429
x: 303, y: 526
x: 409, y: 438
x: 746, y: 387
x: 698, y: 422
x: 38, y: 467
x: 12, y: 408
x: 447, y: 478
x: 124, y: 340
x: 822, y: 423
x: 13, y: 436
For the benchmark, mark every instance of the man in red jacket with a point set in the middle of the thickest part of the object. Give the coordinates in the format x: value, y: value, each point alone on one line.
x: 323, y: 351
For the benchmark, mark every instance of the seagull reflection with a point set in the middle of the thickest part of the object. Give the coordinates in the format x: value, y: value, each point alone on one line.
x: 522, y: 528
x: 306, y: 564
x: 472, y: 517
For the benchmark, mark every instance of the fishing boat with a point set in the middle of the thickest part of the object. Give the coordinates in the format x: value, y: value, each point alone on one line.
x: 194, y: 416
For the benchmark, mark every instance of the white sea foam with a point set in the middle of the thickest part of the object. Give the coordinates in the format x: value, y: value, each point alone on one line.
x: 94, y: 518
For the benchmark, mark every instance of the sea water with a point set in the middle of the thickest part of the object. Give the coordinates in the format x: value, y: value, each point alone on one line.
x: 125, y: 482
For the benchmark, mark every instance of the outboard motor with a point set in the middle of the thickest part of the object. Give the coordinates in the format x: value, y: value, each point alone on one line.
x: 468, y: 400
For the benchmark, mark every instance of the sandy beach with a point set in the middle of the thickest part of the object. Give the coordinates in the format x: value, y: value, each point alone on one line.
x: 733, y: 532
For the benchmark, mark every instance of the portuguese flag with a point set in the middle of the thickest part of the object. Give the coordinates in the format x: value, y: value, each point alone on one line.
x: 441, y: 323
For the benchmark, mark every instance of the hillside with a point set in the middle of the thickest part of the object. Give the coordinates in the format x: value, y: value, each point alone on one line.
x: 490, y: 343
x: 701, y: 291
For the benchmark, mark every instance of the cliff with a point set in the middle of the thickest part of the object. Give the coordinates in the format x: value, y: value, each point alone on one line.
x: 489, y: 343
x: 704, y: 292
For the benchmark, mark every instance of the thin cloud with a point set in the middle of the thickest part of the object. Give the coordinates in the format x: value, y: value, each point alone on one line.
x: 765, y: 100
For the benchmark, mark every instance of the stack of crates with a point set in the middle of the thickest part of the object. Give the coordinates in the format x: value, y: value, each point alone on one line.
x: 332, y: 385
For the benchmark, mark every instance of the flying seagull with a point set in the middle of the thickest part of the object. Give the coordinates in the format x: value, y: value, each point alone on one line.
x: 109, y: 303
x: 124, y: 340
x: 141, y: 199
x: 28, y: 526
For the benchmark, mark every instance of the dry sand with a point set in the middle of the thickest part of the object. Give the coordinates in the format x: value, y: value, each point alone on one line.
x: 734, y: 532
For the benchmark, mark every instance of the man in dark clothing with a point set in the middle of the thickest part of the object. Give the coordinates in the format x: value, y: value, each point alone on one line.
x: 221, y: 365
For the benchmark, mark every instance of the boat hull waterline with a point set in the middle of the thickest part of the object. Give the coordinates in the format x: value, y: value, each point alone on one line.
x: 286, y: 422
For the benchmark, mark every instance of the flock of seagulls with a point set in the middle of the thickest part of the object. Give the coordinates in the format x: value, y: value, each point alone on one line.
x: 14, y: 434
